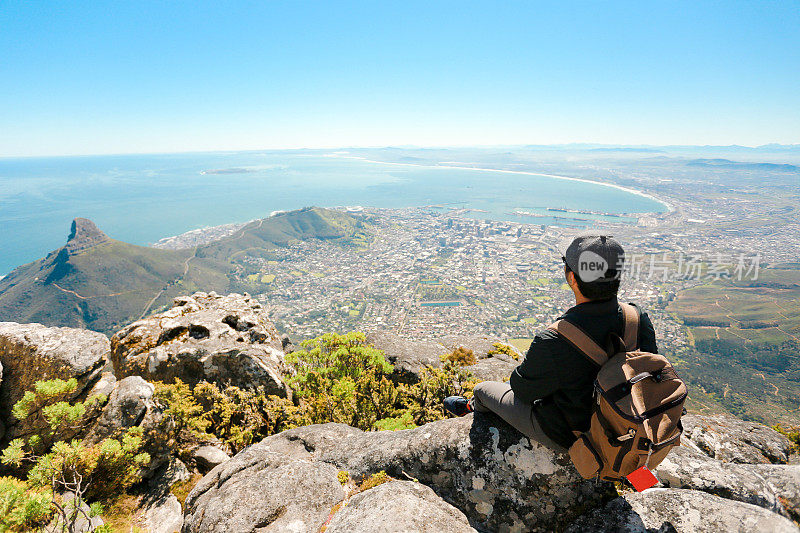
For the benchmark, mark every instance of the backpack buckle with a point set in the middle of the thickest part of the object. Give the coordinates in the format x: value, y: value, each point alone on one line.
x: 627, y: 436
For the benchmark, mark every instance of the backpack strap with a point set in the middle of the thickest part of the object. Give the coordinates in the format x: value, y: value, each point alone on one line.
x: 630, y: 335
x: 580, y: 340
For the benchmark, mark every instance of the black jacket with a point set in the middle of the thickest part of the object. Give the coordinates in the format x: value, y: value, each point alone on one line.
x: 559, y: 380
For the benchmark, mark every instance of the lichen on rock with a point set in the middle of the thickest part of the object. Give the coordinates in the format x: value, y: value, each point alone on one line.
x: 221, y: 339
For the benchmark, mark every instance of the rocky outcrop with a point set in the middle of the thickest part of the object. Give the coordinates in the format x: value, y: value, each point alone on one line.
x: 207, y: 457
x: 398, y: 507
x: 494, y: 475
x: 730, y: 439
x: 687, y: 468
x: 83, y: 235
x: 221, y: 339
x: 33, y: 352
x: 673, y: 510
x: 130, y: 404
x: 161, y: 512
x: 409, y: 357
x: 261, y: 488
x: 163, y: 516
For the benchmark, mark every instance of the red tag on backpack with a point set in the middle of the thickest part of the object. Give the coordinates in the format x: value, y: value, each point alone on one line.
x: 642, y: 478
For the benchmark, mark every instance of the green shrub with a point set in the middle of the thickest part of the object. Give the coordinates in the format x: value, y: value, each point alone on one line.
x: 51, y: 416
x: 342, y: 378
x: 405, y: 420
x: 335, y: 378
x: 423, y: 400
x: 22, y: 507
x: 792, y: 433
x: 183, y: 415
x: 461, y: 356
x: 501, y: 348
x: 235, y: 416
x: 373, y: 481
x: 53, y: 464
x: 239, y: 416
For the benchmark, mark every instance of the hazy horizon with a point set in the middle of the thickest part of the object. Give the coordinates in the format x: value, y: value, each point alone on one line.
x: 559, y: 147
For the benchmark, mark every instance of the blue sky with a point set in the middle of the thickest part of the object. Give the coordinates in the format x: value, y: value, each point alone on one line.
x: 125, y: 77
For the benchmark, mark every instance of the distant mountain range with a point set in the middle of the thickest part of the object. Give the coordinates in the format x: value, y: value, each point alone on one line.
x: 742, y: 165
x: 766, y: 148
x: 99, y: 283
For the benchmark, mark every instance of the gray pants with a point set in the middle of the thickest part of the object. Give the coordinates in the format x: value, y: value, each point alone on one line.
x: 497, y: 397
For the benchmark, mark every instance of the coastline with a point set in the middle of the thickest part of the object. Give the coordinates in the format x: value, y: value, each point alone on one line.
x: 637, y: 192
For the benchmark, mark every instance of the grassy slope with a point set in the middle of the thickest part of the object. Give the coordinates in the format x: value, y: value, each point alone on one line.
x: 744, y: 362
x: 264, y: 235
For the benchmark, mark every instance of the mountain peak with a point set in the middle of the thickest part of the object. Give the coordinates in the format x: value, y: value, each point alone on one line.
x: 84, y: 234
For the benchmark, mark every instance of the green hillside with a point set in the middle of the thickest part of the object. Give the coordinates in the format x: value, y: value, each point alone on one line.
x: 261, y: 236
x: 102, y: 284
x: 746, y: 337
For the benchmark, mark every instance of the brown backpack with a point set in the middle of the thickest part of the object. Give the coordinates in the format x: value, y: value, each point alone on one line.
x: 638, y: 404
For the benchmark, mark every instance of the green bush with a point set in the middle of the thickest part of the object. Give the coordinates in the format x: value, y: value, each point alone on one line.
x: 792, y: 433
x: 342, y: 378
x: 239, y: 416
x: 461, y: 356
x: 235, y: 416
x: 500, y: 348
x: 335, y: 378
x: 54, y: 464
x: 423, y: 400
x: 23, y: 508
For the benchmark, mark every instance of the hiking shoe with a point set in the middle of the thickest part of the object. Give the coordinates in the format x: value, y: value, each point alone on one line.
x: 458, y: 405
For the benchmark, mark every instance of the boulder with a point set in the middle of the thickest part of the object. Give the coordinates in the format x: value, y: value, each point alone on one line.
x: 207, y: 457
x: 160, y: 510
x: 33, y: 352
x: 104, y: 385
x: 785, y: 481
x: 687, y: 468
x: 493, y: 474
x: 287, y: 344
x: 398, y: 507
x: 163, y: 516
x: 173, y: 471
x: 222, y: 339
x: 673, y: 510
x: 409, y: 357
x: 733, y: 440
x: 130, y: 404
x: 260, y: 489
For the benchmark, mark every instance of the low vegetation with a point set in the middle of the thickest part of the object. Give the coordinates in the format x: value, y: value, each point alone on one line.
x: 461, y: 356
x: 334, y: 378
x: 505, y: 349
x: 63, y: 481
x: 792, y: 433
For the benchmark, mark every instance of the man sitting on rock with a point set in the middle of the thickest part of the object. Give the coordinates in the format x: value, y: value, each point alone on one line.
x: 550, y: 394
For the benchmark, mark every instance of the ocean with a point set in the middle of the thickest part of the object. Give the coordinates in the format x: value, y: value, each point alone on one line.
x: 143, y: 198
